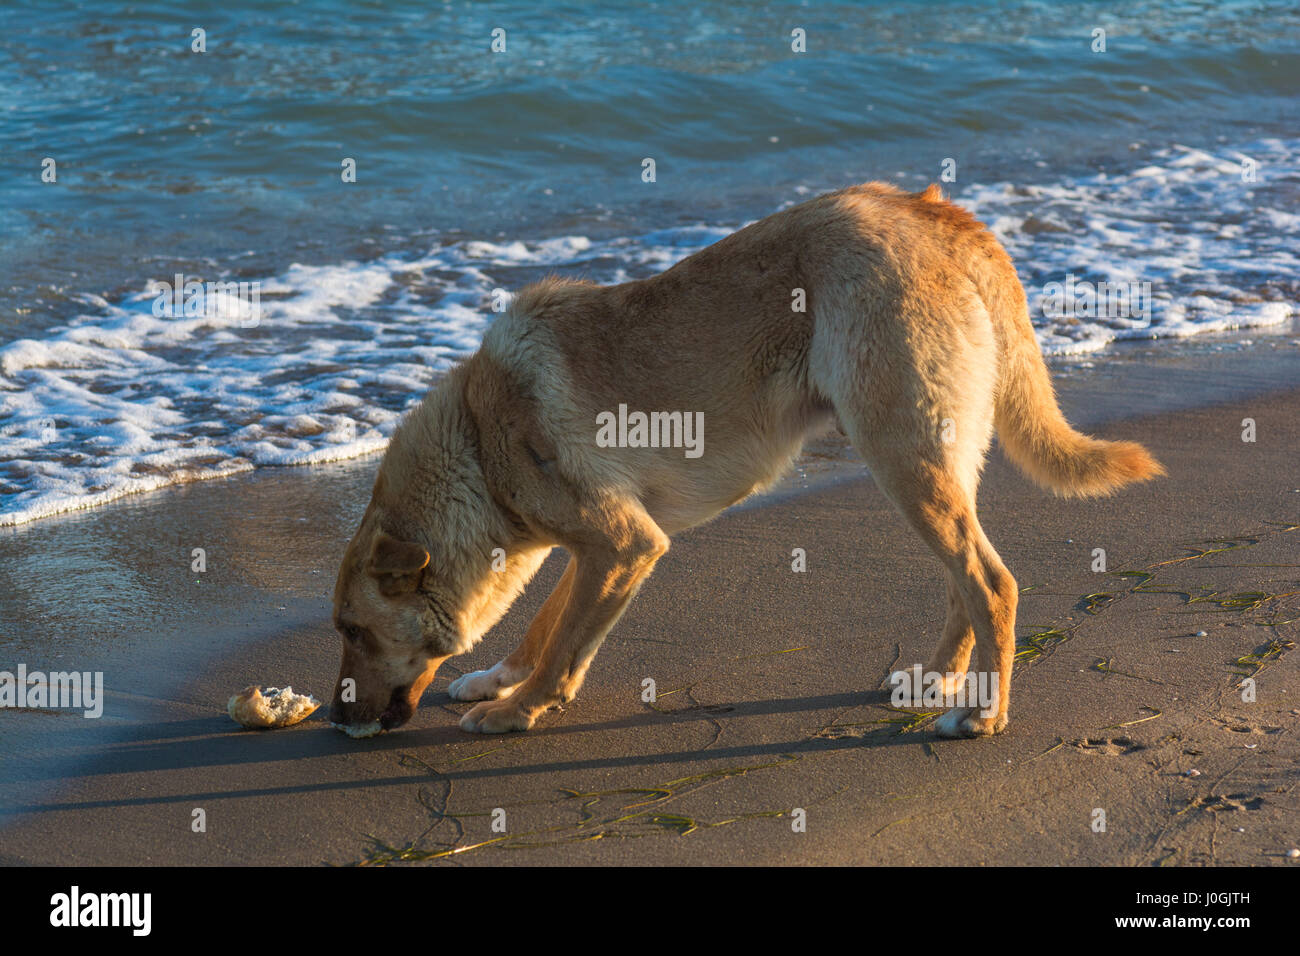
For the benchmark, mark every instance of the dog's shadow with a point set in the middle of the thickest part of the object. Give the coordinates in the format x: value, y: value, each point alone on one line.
x: 208, y: 742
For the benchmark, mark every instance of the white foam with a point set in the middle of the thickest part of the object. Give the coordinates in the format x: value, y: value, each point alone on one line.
x: 1217, y: 251
x: 121, y: 401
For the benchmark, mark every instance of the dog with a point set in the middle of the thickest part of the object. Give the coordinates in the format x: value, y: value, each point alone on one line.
x: 895, y: 314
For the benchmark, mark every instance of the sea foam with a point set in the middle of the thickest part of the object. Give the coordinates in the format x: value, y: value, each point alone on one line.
x: 121, y: 400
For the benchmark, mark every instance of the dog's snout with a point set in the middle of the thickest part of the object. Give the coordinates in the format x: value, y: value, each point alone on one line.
x: 399, y: 709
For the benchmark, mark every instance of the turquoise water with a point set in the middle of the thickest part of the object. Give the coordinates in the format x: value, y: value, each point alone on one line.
x: 478, y: 170
x: 175, y: 161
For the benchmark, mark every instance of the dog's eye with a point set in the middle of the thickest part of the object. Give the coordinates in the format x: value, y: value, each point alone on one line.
x: 538, y: 460
x: 353, y: 633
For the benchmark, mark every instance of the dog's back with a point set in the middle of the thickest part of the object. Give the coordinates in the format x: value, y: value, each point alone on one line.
x: 900, y: 299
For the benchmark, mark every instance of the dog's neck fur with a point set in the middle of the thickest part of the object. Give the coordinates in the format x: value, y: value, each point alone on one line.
x: 439, y: 497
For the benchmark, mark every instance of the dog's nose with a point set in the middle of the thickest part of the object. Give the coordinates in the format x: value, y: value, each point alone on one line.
x: 399, y: 709
x: 338, y: 712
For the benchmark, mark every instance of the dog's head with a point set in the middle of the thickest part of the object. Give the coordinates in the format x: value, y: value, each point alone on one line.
x: 395, y: 630
x: 434, y: 564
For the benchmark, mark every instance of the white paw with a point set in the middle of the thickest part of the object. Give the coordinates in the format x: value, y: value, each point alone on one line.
x: 491, y: 684
x: 950, y: 723
x: 969, y: 722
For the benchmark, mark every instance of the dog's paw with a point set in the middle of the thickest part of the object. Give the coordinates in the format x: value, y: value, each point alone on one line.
x: 967, y: 722
x: 490, y: 684
x: 495, y: 717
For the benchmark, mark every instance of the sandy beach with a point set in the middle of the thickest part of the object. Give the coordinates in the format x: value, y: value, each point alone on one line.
x: 1127, y: 704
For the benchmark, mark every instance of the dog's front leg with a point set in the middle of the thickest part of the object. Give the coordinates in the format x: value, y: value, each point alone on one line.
x: 606, y: 575
x: 507, y: 674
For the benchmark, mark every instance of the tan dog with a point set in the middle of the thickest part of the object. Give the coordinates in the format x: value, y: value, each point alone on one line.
x: 913, y: 333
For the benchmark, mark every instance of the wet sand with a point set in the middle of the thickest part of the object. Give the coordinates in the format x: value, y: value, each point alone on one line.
x: 769, y: 682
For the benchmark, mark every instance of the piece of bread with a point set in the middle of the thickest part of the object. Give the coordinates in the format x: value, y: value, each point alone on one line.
x: 360, y: 730
x: 276, y: 708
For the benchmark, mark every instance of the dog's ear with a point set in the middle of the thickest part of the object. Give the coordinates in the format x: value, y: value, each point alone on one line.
x: 396, y: 564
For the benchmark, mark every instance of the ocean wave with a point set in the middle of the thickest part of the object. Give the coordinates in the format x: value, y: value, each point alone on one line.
x: 124, y: 400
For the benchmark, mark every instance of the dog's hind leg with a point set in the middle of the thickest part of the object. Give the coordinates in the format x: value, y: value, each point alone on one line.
x: 505, y: 675
x: 951, y: 658
x: 913, y: 385
x: 939, y: 508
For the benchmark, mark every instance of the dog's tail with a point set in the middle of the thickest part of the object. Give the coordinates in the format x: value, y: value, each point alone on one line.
x: 1033, y: 432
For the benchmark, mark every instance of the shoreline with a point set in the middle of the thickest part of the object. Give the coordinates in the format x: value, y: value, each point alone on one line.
x: 1207, y: 368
